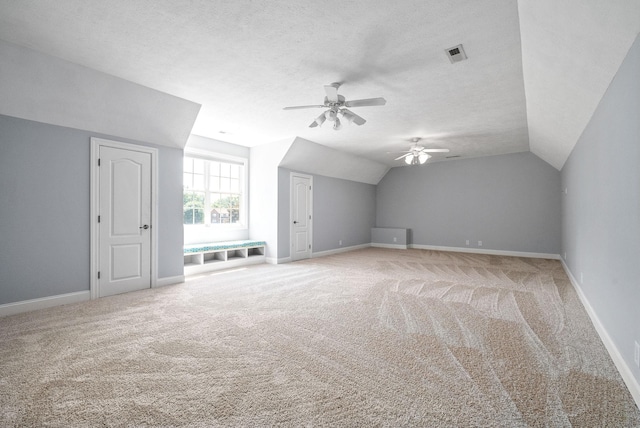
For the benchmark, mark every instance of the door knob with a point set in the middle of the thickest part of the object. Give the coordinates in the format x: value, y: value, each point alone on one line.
x: 146, y: 226
x: 295, y: 222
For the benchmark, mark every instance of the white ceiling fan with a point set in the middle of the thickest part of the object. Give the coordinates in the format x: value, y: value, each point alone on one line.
x: 418, y: 154
x: 336, y: 105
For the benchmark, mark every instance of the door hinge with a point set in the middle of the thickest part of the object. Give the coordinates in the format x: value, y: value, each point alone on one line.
x: 309, y: 246
x: 98, y: 274
x: 98, y: 161
x: 98, y: 219
x: 309, y: 217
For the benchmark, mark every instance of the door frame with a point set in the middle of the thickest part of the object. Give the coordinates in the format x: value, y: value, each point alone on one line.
x: 96, y: 143
x: 291, y: 213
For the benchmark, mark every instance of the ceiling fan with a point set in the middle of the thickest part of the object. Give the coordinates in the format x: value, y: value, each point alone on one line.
x: 337, y: 106
x: 418, y: 154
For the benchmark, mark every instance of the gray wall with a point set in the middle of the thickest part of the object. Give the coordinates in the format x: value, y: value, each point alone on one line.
x: 44, y: 210
x: 509, y: 202
x: 601, y: 210
x: 342, y: 210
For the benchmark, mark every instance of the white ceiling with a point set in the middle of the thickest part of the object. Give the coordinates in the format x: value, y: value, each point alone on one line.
x: 244, y: 60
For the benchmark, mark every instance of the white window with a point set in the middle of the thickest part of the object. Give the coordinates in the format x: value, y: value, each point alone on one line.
x: 214, y: 190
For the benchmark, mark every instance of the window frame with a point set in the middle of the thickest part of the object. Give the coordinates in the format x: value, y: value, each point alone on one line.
x: 243, y: 222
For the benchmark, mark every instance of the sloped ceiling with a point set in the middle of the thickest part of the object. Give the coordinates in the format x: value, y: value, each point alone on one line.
x: 571, y: 50
x: 535, y: 73
x: 313, y: 158
x: 39, y: 87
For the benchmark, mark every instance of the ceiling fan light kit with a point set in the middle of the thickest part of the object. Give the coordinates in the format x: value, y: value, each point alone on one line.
x: 416, y: 160
x: 418, y: 155
x: 336, y: 105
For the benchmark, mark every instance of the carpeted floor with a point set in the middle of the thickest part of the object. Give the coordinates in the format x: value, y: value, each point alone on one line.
x: 368, y: 338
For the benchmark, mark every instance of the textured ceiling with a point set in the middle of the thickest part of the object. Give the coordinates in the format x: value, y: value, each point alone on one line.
x: 244, y: 60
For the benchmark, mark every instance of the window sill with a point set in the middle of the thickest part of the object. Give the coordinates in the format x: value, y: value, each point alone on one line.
x: 217, y: 226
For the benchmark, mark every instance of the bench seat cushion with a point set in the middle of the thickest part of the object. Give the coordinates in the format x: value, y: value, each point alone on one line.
x: 226, y: 245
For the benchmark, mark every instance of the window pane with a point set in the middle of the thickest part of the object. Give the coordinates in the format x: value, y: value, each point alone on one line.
x: 216, y: 200
x: 193, y: 199
x: 198, y: 166
x: 193, y: 207
x: 214, y: 168
x: 198, y: 182
x: 235, y: 216
x: 219, y: 215
x: 225, y: 184
x: 187, y: 181
x: 235, y: 185
x: 225, y: 170
x: 220, y: 210
x: 193, y: 216
x: 187, y: 215
x: 235, y: 171
x: 198, y: 216
x: 187, y: 164
x: 214, y: 183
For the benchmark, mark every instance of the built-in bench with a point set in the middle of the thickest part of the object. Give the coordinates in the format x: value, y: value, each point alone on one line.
x: 200, y: 258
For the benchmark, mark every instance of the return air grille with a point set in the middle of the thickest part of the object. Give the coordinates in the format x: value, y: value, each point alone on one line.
x: 456, y: 54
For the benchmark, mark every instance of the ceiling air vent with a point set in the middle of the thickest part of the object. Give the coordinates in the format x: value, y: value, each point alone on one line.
x: 456, y: 54
x: 451, y: 157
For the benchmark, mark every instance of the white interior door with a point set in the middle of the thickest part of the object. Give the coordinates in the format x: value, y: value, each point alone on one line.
x: 125, y: 221
x: 300, y: 217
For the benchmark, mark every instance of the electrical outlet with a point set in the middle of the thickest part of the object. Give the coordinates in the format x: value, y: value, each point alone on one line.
x: 565, y: 190
x: 479, y: 243
x: 340, y: 242
x: 467, y: 242
x: 636, y: 354
x: 395, y: 239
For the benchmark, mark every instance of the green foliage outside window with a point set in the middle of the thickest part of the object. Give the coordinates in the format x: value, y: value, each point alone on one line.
x: 212, y: 192
x: 193, y: 207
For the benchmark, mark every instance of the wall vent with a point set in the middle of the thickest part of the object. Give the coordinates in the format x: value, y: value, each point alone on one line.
x: 456, y: 54
x: 451, y: 157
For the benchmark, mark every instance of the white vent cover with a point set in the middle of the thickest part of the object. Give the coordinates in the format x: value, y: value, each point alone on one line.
x: 456, y: 54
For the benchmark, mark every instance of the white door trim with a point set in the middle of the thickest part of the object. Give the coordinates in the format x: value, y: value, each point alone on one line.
x: 291, y: 212
x: 96, y: 143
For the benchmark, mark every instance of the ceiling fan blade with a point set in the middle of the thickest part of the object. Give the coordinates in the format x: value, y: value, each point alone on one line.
x: 366, y: 102
x: 298, y: 107
x: 332, y: 92
x: 435, y: 150
x: 319, y: 121
x: 403, y: 156
x: 352, y: 117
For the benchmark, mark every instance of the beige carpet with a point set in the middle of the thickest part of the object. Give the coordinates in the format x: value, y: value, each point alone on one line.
x: 367, y: 338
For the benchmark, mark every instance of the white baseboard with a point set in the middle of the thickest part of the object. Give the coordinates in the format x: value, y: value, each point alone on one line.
x: 44, y: 302
x: 616, y: 356
x: 488, y: 251
x: 340, y: 250
x: 272, y: 260
x: 283, y: 260
x: 392, y: 246
x: 169, y: 280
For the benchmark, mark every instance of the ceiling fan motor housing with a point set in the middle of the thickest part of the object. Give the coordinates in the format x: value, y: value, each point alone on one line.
x: 339, y: 103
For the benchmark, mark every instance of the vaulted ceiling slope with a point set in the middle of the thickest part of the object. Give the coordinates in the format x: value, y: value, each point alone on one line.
x: 571, y: 50
x: 535, y: 73
x: 39, y: 87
